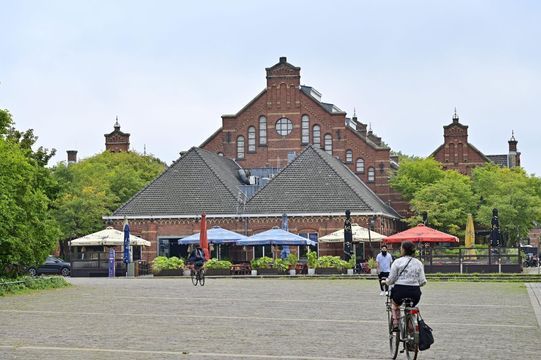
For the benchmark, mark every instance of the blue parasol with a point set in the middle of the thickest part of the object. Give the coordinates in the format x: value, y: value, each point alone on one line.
x: 126, y: 242
x: 216, y: 235
x: 276, y: 237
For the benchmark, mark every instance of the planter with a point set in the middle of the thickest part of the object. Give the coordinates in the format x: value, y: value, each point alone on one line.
x: 270, y: 272
x: 311, y: 271
x: 187, y: 272
x: 350, y: 271
x: 171, y: 272
x: 254, y: 272
x: 374, y: 271
x: 217, y: 272
x: 292, y: 272
x: 329, y: 271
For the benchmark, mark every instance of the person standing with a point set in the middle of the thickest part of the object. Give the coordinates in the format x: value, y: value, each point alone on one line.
x: 384, y: 260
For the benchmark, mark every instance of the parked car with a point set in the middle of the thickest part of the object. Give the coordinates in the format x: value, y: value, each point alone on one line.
x: 52, y: 265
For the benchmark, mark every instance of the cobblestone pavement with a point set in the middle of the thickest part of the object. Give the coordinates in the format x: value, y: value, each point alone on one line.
x: 259, y: 319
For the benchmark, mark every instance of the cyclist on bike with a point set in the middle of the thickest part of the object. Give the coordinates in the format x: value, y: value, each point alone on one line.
x: 197, y: 257
x: 407, y: 275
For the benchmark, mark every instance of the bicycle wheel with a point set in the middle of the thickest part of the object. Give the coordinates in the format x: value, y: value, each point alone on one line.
x: 202, y: 277
x: 411, y: 342
x: 194, y: 277
x: 394, y: 337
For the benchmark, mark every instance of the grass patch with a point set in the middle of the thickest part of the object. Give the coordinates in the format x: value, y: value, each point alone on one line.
x: 27, y: 283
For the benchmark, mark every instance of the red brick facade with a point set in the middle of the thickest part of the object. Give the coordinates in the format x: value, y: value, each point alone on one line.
x: 117, y: 141
x: 283, y: 98
x: 153, y: 230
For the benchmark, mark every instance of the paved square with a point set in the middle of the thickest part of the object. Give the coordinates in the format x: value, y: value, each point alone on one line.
x: 259, y: 319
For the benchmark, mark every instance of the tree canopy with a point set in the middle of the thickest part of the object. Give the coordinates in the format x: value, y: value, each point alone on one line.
x: 97, y: 186
x: 28, y: 233
x: 448, y: 196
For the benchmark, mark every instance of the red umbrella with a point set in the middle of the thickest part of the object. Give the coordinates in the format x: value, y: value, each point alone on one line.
x: 421, y: 233
x: 203, y: 239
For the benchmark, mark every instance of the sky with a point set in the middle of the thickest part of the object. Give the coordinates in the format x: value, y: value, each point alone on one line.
x: 170, y: 69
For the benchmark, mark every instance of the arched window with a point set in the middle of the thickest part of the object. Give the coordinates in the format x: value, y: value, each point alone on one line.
x: 251, y: 139
x: 305, y: 129
x: 359, y: 166
x: 262, y: 130
x: 371, y: 174
x: 316, y: 135
x: 240, y: 147
x: 349, y: 156
x: 328, y: 144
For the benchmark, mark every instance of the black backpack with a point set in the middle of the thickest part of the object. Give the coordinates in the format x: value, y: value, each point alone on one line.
x: 425, y: 335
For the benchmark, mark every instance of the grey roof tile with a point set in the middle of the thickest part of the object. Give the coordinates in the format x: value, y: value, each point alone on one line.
x: 316, y: 182
x: 199, y: 181
x: 501, y: 160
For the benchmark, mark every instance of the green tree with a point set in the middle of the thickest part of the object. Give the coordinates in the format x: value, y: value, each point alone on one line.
x: 414, y: 174
x: 447, y: 201
x: 97, y: 186
x: 516, y: 195
x: 28, y: 233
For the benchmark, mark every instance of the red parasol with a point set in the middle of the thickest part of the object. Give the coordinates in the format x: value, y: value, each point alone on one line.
x: 421, y: 233
x: 203, y: 239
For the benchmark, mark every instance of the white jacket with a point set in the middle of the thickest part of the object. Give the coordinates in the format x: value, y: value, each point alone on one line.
x: 413, y: 274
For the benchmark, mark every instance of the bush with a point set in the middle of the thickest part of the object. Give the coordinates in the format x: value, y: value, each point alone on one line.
x: 218, y: 264
x: 264, y: 262
x: 292, y: 260
x: 332, y: 262
x: 312, y: 259
x: 372, y: 264
x: 281, y: 265
x: 13, y: 286
x: 163, y: 263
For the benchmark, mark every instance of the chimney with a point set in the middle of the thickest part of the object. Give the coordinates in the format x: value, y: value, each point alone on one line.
x: 72, y: 156
x: 513, y: 159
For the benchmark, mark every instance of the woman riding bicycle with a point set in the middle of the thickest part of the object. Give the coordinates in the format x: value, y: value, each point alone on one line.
x: 407, y: 275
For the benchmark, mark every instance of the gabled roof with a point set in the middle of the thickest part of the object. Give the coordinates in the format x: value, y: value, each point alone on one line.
x: 501, y: 160
x: 483, y: 156
x: 316, y: 183
x: 198, y: 181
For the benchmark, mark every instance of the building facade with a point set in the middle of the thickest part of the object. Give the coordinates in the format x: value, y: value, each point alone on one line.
x: 286, y: 117
x: 117, y: 141
x: 456, y: 153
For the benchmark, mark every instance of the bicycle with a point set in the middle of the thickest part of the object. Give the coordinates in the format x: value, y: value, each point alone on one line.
x: 197, y: 275
x: 408, y: 329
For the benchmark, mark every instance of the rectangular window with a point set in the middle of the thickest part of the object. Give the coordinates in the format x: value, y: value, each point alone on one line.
x: 262, y: 130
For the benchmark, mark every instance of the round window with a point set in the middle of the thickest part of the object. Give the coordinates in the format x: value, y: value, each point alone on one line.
x: 284, y: 126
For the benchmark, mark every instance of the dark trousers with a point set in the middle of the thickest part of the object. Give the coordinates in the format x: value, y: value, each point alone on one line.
x: 383, y: 275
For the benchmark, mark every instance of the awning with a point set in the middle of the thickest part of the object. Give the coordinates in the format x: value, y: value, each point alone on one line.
x: 108, y: 237
x: 359, y: 234
x: 421, y: 233
x: 276, y: 237
x: 216, y: 235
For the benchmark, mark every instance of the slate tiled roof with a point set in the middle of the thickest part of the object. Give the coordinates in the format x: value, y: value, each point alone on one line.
x: 199, y: 181
x: 317, y: 183
x: 500, y: 160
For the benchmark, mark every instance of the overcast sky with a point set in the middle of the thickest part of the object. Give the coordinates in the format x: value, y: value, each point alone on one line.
x: 170, y: 69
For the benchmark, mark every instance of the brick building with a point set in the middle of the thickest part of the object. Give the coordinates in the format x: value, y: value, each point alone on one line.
x: 456, y: 153
x: 117, y: 141
x: 314, y: 190
x: 284, y: 118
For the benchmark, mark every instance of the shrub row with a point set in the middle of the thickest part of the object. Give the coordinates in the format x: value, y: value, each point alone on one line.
x: 21, y: 284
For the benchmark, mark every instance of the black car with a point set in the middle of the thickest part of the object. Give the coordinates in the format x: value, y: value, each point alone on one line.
x: 52, y: 265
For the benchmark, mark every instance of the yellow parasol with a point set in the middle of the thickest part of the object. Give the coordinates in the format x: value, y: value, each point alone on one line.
x: 469, y: 240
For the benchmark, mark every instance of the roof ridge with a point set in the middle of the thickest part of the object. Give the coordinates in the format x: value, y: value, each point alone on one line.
x: 197, y: 149
x: 148, y: 185
x: 375, y: 196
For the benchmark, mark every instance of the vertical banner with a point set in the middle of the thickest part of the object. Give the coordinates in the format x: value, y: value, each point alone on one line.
x: 111, y: 263
x: 348, y: 237
x: 495, y: 232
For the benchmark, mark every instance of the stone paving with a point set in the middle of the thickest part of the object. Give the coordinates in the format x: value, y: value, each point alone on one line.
x: 259, y: 319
